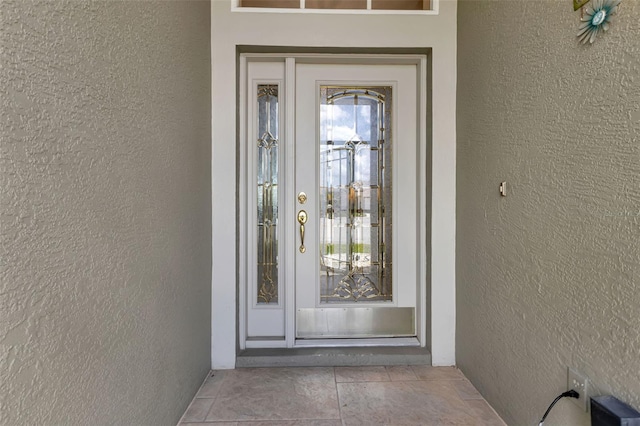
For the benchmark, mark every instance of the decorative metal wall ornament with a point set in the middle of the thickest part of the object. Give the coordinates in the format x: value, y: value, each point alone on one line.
x: 596, y: 19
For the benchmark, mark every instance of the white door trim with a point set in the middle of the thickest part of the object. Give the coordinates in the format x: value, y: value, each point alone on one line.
x: 288, y: 208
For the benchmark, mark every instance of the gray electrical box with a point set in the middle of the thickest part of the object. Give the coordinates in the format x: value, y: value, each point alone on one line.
x: 610, y: 411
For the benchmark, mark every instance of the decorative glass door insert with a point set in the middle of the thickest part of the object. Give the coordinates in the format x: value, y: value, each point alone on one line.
x: 267, y: 194
x: 355, y: 194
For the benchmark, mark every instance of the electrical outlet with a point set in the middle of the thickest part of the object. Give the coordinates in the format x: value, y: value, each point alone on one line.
x: 578, y: 382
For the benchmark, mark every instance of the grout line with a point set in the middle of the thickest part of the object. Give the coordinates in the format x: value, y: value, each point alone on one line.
x: 471, y: 410
x: 211, y: 374
x: 195, y: 396
x: 248, y: 422
x: 202, y: 384
x: 215, y: 398
x: 335, y: 380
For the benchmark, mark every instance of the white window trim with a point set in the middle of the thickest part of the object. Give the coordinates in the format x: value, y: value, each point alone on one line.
x: 235, y: 7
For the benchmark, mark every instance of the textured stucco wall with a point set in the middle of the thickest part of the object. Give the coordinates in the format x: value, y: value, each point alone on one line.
x: 549, y: 276
x: 105, y: 210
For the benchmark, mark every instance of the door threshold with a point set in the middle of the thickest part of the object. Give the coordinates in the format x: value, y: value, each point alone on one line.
x: 333, y: 357
x: 354, y: 343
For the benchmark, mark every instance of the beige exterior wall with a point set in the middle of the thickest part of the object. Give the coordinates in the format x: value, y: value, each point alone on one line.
x: 105, y: 221
x: 549, y: 276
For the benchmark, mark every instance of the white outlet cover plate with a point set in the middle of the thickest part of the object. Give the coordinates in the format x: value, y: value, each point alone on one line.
x: 578, y: 382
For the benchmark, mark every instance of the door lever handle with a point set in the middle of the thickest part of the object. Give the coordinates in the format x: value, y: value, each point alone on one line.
x: 302, y: 219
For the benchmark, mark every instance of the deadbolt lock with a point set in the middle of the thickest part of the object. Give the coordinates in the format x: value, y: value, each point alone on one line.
x: 302, y: 198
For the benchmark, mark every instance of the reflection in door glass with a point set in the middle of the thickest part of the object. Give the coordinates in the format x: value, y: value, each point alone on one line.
x: 267, y: 202
x: 355, y: 194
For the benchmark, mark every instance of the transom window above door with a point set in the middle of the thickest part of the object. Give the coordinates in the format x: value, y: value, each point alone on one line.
x: 354, y: 6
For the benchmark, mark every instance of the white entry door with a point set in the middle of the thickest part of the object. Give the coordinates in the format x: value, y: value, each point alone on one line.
x: 332, y: 212
x: 355, y: 144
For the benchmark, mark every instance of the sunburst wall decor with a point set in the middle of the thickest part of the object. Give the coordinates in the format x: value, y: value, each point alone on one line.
x: 596, y: 19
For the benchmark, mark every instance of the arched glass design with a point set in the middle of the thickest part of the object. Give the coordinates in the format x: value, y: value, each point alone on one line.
x: 355, y: 193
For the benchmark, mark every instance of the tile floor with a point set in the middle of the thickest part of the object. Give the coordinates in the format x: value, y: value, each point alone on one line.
x: 332, y: 396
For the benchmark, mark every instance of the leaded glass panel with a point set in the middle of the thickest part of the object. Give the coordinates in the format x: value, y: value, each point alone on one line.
x: 267, y: 194
x: 355, y: 194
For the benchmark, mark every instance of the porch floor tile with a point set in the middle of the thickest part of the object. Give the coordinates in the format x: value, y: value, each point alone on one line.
x: 333, y: 396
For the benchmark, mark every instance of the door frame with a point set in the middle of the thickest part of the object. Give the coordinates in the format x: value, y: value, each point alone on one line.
x: 423, y: 308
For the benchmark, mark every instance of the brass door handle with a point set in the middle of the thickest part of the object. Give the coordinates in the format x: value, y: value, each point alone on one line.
x: 302, y: 219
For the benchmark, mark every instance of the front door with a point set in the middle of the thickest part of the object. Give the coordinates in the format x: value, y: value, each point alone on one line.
x: 333, y: 247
